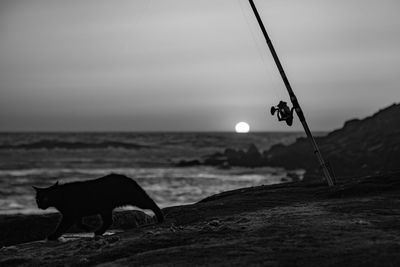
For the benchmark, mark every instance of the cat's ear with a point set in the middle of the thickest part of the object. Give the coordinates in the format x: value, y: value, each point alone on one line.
x: 55, y: 185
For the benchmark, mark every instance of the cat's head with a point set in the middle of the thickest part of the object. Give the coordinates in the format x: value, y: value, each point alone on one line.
x: 45, y: 196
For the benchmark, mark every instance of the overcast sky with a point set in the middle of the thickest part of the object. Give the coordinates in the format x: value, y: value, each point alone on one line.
x: 193, y: 65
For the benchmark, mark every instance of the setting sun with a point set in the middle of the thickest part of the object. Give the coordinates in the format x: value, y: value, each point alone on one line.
x: 242, y: 127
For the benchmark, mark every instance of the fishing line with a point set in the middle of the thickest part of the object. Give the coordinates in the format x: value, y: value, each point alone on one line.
x: 262, y: 56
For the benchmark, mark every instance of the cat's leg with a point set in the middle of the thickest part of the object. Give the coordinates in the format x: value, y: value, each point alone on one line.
x: 107, y: 219
x: 80, y: 224
x: 65, y: 223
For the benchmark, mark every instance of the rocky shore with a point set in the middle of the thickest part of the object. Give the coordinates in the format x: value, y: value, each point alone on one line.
x: 356, y: 223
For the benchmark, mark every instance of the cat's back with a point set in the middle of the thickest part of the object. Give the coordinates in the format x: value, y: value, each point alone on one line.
x: 107, y: 183
x: 113, y: 180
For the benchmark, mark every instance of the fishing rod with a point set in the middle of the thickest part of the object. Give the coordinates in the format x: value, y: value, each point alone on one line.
x: 284, y: 113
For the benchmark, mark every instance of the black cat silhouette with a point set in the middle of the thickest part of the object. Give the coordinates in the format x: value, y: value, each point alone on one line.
x: 100, y: 196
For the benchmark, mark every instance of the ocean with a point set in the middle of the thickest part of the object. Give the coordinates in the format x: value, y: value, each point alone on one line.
x: 41, y: 159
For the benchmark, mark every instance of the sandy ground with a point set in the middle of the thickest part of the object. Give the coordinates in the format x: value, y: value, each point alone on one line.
x: 357, y: 223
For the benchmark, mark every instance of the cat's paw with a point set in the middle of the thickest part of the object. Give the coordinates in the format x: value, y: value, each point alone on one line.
x: 98, y: 237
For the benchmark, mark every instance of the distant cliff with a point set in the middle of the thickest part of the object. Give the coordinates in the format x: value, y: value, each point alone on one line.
x: 367, y: 146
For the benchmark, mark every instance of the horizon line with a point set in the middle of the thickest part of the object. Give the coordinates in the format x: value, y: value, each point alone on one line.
x: 149, y: 131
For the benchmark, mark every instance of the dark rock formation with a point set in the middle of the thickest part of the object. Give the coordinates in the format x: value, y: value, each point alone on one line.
x: 188, y: 163
x: 367, y: 146
x: 231, y: 157
x: 252, y: 157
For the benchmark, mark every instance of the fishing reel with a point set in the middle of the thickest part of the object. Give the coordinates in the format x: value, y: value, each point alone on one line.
x: 284, y: 113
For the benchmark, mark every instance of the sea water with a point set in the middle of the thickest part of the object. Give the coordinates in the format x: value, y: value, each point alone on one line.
x: 41, y: 159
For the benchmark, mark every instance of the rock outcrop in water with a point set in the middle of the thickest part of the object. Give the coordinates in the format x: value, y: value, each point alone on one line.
x: 251, y: 157
x: 231, y: 157
x: 367, y: 146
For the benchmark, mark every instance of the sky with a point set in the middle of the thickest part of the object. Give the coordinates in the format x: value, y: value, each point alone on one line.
x: 193, y: 65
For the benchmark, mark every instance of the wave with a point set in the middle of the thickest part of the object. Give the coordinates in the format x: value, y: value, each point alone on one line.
x: 54, y: 144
